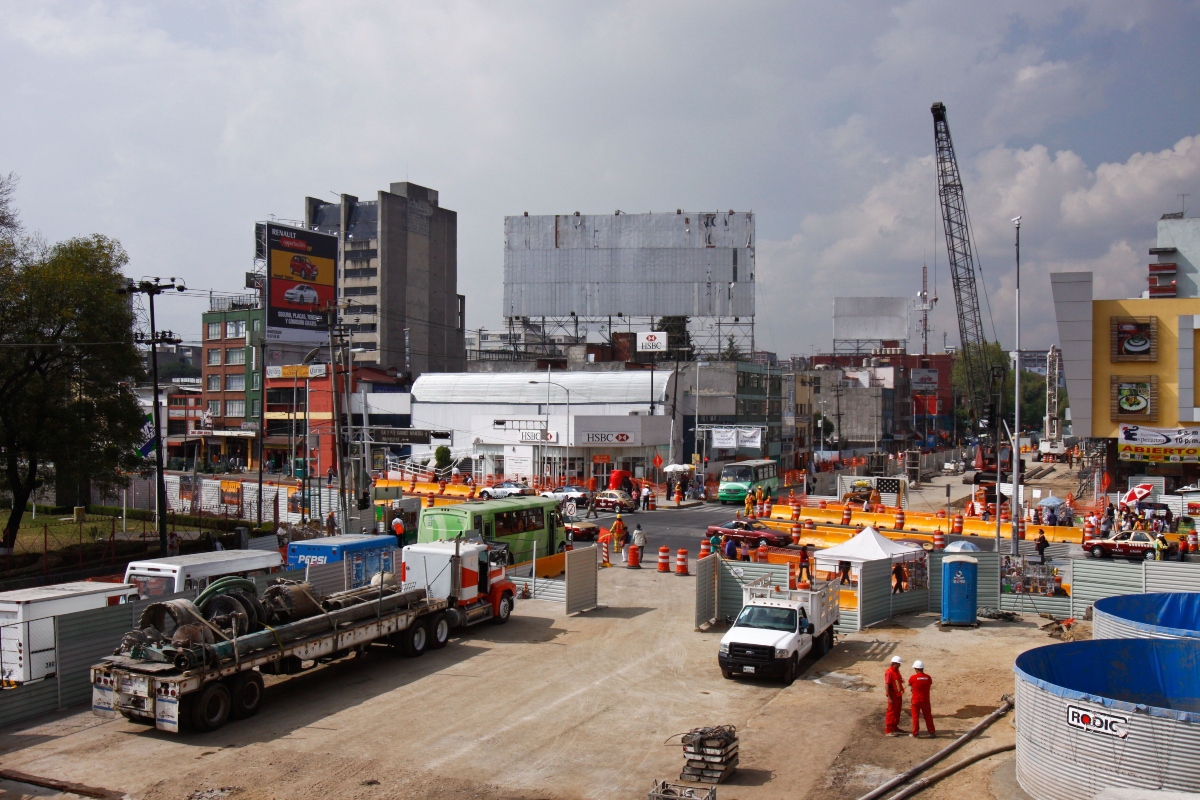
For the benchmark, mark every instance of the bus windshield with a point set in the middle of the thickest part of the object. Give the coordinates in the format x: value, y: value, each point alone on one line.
x: 733, y: 472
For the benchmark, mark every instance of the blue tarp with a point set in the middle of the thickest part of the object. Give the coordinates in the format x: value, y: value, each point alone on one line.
x: 1160, y: 677
x: 1173, y: 613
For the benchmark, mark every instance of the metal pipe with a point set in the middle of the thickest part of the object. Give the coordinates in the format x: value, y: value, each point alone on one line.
x: 924, y: 783
x: 908, y: 775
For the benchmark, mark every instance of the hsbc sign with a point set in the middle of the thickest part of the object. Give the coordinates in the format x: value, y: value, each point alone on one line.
x: 652, y: 342
x: 614, y: 438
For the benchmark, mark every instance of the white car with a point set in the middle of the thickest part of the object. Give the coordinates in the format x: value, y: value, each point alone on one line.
x: 571, y: 492
x: 505, y: 489
x: 301, y: 294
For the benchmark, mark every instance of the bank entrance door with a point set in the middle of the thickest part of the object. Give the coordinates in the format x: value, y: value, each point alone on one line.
x: 600, y: 471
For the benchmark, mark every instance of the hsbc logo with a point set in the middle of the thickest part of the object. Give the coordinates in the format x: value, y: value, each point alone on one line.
x: 607, y: 438
x: 1094, y: 722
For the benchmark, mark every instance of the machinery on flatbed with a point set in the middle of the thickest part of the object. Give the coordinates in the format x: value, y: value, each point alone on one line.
x: 191, y: 665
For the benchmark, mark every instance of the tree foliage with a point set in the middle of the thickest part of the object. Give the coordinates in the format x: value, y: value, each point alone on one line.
x: 66, y: 363
x: 679, y: 338
x: 441, y: 456
x: 1033, y: 393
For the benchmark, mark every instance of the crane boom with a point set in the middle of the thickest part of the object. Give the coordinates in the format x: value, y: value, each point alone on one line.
x: 974, y: 353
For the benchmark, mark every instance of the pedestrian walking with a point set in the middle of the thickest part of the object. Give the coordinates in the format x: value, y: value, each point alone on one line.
x: 645, y: 497
x: 591, y: 507
x: 398, y: 529
x: 1041, y: 545
x: 329, y: 479
x: 899, y: 577
x: 920, y: 684
x: 894, y: 685
x: 714, y: 541
x: 639, y: 537
x: 744, y: 550
x: 331, y: 523
x: 730, y: 548
x: 844, y: 569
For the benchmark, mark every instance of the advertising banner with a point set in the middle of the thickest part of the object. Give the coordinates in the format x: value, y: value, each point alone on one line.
x: 732, y: 438
x: 1158, y: 445
x: 924, y: 380
x: 301, y: 283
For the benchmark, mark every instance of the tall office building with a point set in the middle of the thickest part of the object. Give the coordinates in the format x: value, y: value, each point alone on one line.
x: 399, y: 278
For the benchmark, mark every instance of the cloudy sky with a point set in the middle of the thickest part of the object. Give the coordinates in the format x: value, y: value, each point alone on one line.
x: 173, y: 127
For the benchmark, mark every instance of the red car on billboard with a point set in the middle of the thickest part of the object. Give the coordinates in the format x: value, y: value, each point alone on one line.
x: 304, y: 268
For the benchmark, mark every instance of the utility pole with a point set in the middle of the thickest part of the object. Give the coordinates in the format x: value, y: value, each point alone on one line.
x: 1016, y: 445
x: 152, y: 287
x: 339, y: 459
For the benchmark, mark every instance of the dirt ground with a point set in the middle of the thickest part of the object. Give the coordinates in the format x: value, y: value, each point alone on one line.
x: 550, y: 706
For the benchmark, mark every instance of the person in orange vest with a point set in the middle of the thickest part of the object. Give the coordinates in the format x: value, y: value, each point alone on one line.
x: 920, y: 684
x: 894, y: 685
x: 618, y: 534
x: 749, y: 504
x: 758, y: 495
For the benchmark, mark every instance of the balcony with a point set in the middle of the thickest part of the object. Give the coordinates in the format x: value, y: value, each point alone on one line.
x: 1163, y: 268
x: 1160, y: 287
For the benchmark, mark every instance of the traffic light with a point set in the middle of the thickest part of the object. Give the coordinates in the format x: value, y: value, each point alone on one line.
x: 364, y: 501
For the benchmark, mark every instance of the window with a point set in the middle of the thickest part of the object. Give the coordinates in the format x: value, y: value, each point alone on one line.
x: 214, y: 407
x: 359, y: 308
x: 256, y: 408
x: 741, y: 407
x: 360, y: 291
x: 365, y: 327
x: 257, y: 381
x: 741, y: 380
x: 519, y: 521
x: 361, y: 272
x: 235, y: 383
x: 257, y: 325
x: 235, y: 408
x: 235, y: 329
x: 235, y: 356
x: 214, y: 383
x: 214, y: 357
x: 214, y: 330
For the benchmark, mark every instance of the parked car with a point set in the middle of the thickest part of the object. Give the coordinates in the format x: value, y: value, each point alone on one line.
x: 753, y: 531
x: 569, y: 492
x: 306, y: 269
x: 301, y: 294
x: 615, y: 500
x: 505, y: 489
x: 1130, y: 544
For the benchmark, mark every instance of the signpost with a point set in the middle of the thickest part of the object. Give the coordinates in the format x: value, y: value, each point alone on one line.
x: 382, y: 435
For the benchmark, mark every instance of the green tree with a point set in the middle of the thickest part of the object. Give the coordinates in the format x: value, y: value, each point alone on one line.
x: 441, y: 456
x: 1033, y: 393
x: 679, y: 339
x: 732, y: 352
x: 66, y: 363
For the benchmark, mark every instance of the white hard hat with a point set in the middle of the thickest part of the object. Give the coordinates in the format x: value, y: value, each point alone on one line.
x: 918, y: 665
x: 896, y: 660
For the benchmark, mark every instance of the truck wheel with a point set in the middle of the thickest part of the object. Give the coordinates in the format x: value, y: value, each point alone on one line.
x: 505, y: 609
x: 727, y: 674
x: 789, y: 672
x: 415, y: 640
x: 210, y: 709
x: 246, y: 690
x: 439, y: 632
x: 829, y: 640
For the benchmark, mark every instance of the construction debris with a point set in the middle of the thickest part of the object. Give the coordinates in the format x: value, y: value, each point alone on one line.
x: 1067, y: 630
x: 995, y: 613
x: 668, y: 791
x: 711, y: 753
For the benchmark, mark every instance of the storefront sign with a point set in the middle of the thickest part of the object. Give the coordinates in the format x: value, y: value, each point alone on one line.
x: 1158, y: 445
x: 615, y: 438
x: 297, y: 371
x: 601, y: 459
x: 652, y: 342
x: 399, y: 435
x: 539, y: 436
x: 924, y: 380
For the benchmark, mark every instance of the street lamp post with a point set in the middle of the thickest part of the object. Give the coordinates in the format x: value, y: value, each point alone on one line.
x: 567, y: 443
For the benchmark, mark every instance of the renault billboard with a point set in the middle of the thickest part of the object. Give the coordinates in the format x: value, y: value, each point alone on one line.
x: 301, y: 283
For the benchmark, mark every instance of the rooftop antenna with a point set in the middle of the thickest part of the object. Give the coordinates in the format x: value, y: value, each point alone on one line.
x: 1183, y: 202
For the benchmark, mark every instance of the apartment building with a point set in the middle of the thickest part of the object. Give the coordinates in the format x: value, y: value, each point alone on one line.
x: 231, y: 379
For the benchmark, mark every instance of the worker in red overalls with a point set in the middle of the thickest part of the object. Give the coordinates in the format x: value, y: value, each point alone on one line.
x: 920, y: 684
x: 894, y: 684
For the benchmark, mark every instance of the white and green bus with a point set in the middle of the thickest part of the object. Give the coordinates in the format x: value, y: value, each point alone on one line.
x: 746, y: 476
x: 519, y: 522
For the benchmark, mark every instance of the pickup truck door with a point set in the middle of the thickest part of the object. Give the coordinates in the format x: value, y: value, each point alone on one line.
x: 804, y: 642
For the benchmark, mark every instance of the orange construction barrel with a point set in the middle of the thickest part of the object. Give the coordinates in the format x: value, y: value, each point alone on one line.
x: 664, y: 559
x: 634, y: 556
x: 846, y: 515
x: 681, y: 557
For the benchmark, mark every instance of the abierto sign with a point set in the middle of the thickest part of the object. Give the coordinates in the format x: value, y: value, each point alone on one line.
x: 1158, y: 445
x: 652, y: 341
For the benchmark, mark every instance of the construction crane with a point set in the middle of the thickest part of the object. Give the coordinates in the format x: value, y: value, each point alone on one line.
x: 976, y: 358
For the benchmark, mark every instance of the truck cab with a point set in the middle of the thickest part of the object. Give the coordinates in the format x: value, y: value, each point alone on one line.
x: 470, y: 573
x: 776, y: 628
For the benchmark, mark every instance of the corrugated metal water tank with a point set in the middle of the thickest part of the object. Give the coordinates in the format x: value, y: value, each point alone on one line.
x: 1108, y: 713
x: 1160, y: 615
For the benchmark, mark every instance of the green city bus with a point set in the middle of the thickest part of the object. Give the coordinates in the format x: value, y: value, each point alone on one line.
x: 519, y: 522
x: 746, y: 476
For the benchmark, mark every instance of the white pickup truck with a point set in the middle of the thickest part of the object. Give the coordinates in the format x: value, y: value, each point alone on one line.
x: 778, y: 627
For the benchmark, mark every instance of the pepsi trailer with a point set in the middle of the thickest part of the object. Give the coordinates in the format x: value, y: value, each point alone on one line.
x: 367, y: 555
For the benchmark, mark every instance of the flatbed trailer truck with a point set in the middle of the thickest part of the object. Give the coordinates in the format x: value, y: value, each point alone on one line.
x: 192, y: 666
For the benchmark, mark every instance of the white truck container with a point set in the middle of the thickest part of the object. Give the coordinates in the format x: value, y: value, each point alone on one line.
x: 27, y: 642
x: 776, y: 628
x: 164, y: 576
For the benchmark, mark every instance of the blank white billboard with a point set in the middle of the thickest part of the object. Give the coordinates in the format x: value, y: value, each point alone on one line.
x: 870, y: 318
x: 687, y: 264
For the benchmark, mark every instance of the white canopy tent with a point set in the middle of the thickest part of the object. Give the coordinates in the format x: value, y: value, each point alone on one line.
x: 868, y: 545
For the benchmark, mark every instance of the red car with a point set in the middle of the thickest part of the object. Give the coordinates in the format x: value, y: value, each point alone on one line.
x: 756, y: 533
x: 306, y: 269
x: 1130, y: 544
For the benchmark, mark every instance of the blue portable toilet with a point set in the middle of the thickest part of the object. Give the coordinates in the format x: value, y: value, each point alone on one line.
x: 367, y: 555
x: 960, y: 583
